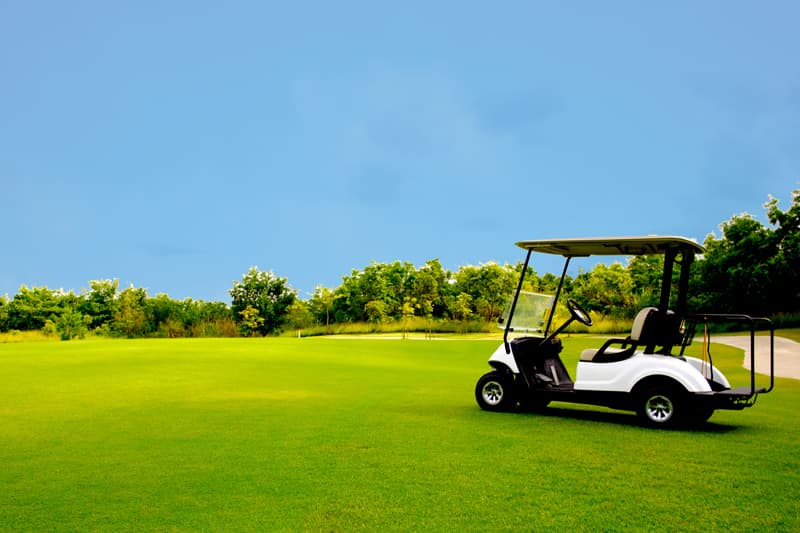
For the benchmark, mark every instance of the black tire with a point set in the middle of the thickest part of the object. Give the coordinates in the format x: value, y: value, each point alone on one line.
x: 495, y: 392
x: 660, y: 406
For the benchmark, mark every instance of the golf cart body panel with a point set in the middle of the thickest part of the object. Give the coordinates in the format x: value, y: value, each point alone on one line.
x: 639, y: 372
x: 622, y: 376
x: 709, y: 372
x: 501, y: 359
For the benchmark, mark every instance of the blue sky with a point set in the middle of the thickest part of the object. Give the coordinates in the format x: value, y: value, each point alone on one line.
x: 175, y: 144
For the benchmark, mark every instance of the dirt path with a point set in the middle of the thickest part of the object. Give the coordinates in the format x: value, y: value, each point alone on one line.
x: 787, y: 354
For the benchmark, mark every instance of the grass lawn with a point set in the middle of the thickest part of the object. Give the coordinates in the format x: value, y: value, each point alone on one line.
x: 324, y: 434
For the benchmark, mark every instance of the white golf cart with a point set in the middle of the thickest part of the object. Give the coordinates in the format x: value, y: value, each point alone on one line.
x: 638, y: 373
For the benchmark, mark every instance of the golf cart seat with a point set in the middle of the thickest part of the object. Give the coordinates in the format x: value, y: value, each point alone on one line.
x: 644, y: 326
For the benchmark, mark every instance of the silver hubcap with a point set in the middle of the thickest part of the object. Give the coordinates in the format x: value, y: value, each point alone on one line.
x: 659, y: 408
x: 492, y: 393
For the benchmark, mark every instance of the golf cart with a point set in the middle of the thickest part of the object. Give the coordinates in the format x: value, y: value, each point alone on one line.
x: 637, y: 373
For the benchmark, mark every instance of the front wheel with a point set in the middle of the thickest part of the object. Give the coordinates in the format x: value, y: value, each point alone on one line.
x: 495, y: 392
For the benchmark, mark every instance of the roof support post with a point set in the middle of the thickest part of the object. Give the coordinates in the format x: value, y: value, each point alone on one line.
x: 666, y: 280
x: 558, y: 293
x: 687, y: 258
x: 514, y: 301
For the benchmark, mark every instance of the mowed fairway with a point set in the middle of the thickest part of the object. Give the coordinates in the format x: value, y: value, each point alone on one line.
x: 354, y: 435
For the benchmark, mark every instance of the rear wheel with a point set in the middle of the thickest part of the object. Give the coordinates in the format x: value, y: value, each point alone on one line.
x: 495, y: 392
x: 660, y: 406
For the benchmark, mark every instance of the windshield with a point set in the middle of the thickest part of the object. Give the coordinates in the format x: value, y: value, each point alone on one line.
x: 530, y: 314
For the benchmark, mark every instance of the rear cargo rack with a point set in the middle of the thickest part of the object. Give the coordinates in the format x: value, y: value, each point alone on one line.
x: 743, y: 395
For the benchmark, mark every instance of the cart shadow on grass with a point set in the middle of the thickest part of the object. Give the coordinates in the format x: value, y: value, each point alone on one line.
x: 614, y: 417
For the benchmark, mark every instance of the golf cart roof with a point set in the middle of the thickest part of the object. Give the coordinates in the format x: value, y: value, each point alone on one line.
x: 650, y: 244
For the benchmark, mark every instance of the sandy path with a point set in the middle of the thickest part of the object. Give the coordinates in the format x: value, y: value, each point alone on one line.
x: 787, y: 353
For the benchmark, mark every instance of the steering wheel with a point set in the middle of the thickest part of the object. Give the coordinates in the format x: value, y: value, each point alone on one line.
x: 578, y: 312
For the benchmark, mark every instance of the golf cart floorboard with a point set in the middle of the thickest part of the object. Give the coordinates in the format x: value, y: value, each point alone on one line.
x: 563, y: 387
x: 741, y: 391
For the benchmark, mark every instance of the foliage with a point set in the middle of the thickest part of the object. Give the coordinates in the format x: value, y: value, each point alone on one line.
x: 645, y: 272
x: 99, y: 302
x: 32, y: 308
x: 786, y: 262
x: 299, y: 315
x: 382, y: 291
x: 72, y: 324
x: 265, y: 292
x: 429, y: 289
x: 321, y: 304
x: 35, y: 335
x: 488, y: 285
x: 426, y: 328
x: 607, y: 290
x: 463, y: 307
x: 3, y: 313
x: 104, y: 310
x: 375, y: 293
x: 753, y: 268
x: 375, y: 311
x: 250, y: 321
x: 130, y: 319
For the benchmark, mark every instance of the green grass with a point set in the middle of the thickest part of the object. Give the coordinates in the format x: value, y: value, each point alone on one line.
x: 361, y: 435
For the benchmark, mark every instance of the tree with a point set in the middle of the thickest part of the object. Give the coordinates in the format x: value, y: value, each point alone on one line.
x: 4, y: 312
x: 265, y: 292
x: 430, y: 284
x: 548, y: 283
x: 164, y: 316
x: 299, y: 315
x: 250, y: 321
x: 410, y: 306
x: 31, y: 308
x: 735, y: 273
x: 321, y: 304
x: 209, y: 319
x: 606, y: 289
x: 645, y: 272
x: 462, y: 309
x: 786, y: 262
x: 489, y: 287
x: 375, y: 311
x: 130, y: 319
x: 388, y: 283
x: 72, y: 324
x: 753, y: 269
x: 99, y: 302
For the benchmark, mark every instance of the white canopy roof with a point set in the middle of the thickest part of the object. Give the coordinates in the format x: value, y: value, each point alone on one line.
x: 650, y: 244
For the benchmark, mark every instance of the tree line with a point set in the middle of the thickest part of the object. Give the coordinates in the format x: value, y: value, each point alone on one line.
x: 752, y: 268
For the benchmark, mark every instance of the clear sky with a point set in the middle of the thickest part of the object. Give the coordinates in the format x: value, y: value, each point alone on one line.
x: 174, y: 144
